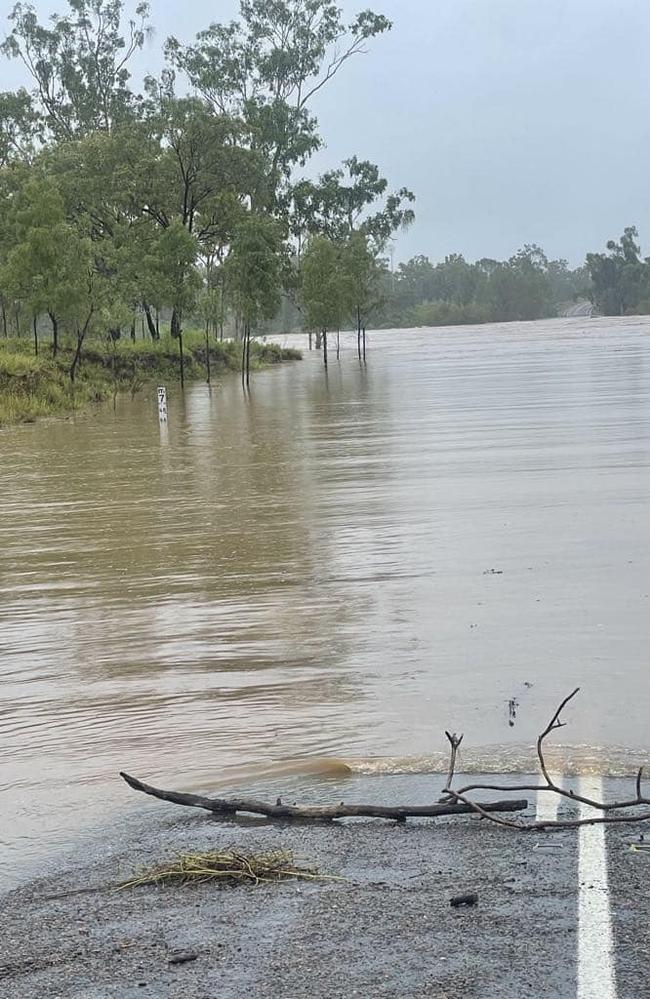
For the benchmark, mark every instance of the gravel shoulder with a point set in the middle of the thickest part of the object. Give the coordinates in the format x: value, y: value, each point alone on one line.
x: 387, y: 930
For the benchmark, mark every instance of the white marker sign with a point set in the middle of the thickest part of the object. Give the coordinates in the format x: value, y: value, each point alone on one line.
x: 162, y: 403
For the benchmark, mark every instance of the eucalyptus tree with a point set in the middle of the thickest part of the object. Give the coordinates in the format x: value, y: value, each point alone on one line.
x: 254, y: 277
x: 174, y: 276
x: 19, y: 127
x: 79, y: 64
x: 267, y: 67
x: 42, y: 267
x: 327, y: 292
x: 353, y: 199
x: 620, y: 278
x: 354, y: 204
x: 364, y: 272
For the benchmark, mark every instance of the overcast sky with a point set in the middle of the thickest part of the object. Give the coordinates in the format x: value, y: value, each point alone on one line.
x: 513, y: 121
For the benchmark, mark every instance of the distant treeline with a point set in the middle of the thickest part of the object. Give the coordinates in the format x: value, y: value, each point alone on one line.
x: 527, y: 286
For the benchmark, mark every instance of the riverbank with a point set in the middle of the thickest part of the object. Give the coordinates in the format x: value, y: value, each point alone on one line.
x: 32, y: 386
x: 387, y: 929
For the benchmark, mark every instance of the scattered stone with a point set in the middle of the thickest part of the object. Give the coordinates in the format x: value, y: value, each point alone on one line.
x: 182, y: 956
x: 463, y: 900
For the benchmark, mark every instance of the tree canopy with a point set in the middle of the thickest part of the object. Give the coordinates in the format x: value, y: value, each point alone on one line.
x: 178, y: 194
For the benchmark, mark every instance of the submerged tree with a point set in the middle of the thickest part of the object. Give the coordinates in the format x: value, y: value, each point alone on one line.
x: 326, y: 288
x: 254, y: 277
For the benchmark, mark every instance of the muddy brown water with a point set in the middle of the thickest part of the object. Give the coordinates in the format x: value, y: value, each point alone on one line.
x: 314, y: 582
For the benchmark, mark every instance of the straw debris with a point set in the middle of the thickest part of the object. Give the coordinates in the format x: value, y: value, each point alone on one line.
x: 228, y: 868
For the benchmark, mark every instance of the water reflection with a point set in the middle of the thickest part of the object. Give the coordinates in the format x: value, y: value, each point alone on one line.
x: 333, y: 568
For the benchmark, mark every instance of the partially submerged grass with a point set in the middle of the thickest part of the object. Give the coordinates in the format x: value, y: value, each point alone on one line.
x: 33, y: 387
x: 227, y: 867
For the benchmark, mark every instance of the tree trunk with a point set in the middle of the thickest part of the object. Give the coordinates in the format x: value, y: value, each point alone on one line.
x: 133, y: 329
x: 243, y: 361
x: 151, y: 326
x: 175, y: 325
x: 325, y: 347
x: 55, y: 333
x: 157, y: 324
x: 182, y: 357
x: 17, y: 316
x: 310, y: 341
x: 35, y: 337
x: 77, y: 355
x: 319, y: 341
x: 4, y: 317
x: 338, y: 345
x: 248, y: 357
x: 207, y: 352
x: 364, y: 343
x: 359, y: 332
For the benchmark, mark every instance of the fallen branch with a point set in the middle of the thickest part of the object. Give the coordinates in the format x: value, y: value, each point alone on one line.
x: 231, y: 806
x: 453, y: 802
x: 461, y: 796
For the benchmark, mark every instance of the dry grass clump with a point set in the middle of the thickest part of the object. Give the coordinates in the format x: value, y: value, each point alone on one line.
x: 227, y: 867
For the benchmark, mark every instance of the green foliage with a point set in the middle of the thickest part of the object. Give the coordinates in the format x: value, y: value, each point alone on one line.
x: 621, y: 278
x: 344, y: 202
x: 326, y: 287
x: 19, y: 127
x: 527, y: 286
x: 49, y: 264
x: 266, y: 67
x: 254, y: 269
x: 79, y: 63
x: 112, y: 201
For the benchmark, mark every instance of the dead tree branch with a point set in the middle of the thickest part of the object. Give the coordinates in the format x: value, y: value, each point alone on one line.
x: 231, y: 806
x: 461, y: 796
x: 453, y: 802
x: 454, y: 742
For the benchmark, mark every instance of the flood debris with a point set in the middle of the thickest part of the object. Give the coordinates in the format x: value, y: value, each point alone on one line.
x: 453, y: 801
x: 227, y: 867
x: 322, y: 813
x: 630, y: 810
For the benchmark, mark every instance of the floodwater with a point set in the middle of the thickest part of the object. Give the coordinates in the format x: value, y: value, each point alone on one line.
x: 322, y: 578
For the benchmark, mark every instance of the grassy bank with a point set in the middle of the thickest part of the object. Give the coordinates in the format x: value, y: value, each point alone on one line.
x: 33, y: 387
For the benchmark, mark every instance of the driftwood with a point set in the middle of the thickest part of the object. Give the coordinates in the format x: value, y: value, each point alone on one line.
x: 231, y: 806
x: 628, y: 810
x: 453, y: 801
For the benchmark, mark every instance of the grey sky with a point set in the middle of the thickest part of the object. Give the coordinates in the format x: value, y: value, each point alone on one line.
x: 512, y: 120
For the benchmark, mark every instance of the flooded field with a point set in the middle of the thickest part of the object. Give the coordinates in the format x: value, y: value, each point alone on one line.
x: 314, y: 582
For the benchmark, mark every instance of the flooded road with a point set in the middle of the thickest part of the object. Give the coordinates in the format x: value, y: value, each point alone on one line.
x: 322, y: 578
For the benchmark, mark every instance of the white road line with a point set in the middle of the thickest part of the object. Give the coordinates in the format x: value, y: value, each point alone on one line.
x: 596, y: 979
x: 547, y: 803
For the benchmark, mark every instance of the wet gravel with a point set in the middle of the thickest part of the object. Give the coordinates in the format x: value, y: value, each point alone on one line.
x: 388, y: 929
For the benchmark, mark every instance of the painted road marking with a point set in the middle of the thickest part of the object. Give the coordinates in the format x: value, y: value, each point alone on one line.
x: 595, y: 939
x: 547, y: 803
